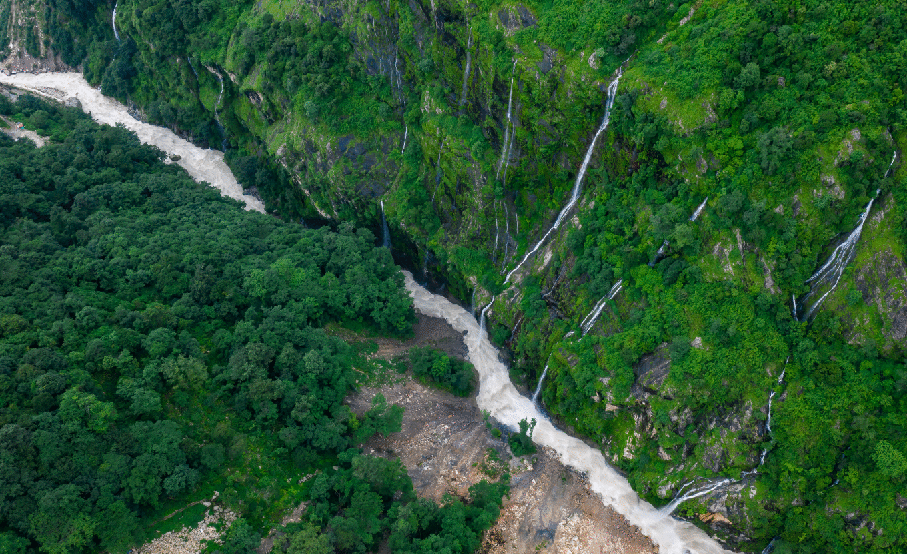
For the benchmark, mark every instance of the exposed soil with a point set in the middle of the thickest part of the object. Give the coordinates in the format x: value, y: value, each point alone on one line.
x: 445, y: 445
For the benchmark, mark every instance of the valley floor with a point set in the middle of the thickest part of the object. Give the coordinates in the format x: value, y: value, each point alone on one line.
x: 446, y: 448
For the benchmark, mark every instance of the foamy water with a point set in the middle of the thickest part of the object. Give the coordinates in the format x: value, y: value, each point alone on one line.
x: 202, y: 164
x: 498, y: 395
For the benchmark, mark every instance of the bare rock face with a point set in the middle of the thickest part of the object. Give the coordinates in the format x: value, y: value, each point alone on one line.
x: 72, y: 102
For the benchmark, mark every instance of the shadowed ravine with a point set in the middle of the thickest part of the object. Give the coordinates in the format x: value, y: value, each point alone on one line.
x: 496, y: 393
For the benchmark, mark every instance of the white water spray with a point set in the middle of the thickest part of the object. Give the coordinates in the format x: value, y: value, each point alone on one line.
x: 890, y: 165
x: 498, y: 395
x: 506, y: 131
x: 405, y: 135
x: 699, y: 209
x: 833, y: 268
x: 538, y: 388
x: 577, y: 187
x: 113, y: 21
x: 589, y: 320
x: 508, y: 140
x: 708, y: 488
x: 201, y: 164
x: 468, y: 66
x: 385, y: 231
x: 696, y: 213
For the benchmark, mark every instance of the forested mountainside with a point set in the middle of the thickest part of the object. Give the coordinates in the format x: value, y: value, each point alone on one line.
x: 721, y: 298
x: 158, y: 343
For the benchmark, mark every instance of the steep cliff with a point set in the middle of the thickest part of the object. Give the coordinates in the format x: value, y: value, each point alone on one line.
x: 471, y: 121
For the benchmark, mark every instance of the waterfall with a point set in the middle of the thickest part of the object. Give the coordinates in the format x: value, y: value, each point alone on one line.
x: 699, y: 209
x: 468, y: 66
x: 770, y: 548
x: 220, y: 97
x: 405, y: 134
x: 793, y: 297
x: 833, y: 268
x: 482, y: 320
x: 497, y: 230
x: 768, y: 424
x: 893, y: 158
x: 508, y: 141
x: 496, y: 393
x: 113, y: 21
x: 589, y: 320
x: 538, y: 388
x: 385, y: 232
x: 708, y: 488
x: 661, y: 249
x: 506, y: 237
x: 574, y: 196
x: 194, y: 72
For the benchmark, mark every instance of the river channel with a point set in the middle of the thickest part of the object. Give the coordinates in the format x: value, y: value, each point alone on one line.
x: 497, y: 394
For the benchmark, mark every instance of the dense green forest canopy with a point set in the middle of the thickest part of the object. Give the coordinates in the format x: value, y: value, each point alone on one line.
x: 155, y: 338
x: 785, y: 115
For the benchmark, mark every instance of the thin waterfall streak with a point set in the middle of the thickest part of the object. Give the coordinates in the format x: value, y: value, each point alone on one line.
x: 669, y: 509
x: 482, y: 319
x: 385, y: 231
x: 574, y: 196
x: 507, y: 125
x: 113, y: 21
x: 515, y: 327
x: 468, y: 66
x: 770, y: 547
x: 699, y: 209
x: 794, y: 298
x: 538, y: 387
x: 893, y: 158
x: 497, y: 229
x: 837, y: 262
x: 589, y: 321
x: 405, y: 135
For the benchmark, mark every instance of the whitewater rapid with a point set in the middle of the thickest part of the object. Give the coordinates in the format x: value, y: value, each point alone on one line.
x: 498, y: 395
x: 202, y: 164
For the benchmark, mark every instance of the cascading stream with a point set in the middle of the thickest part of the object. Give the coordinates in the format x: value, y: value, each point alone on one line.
x: 577, y: 186
x: 589, y: 320
x: 385, y: 231
x: 113, y: 21
x: 508, y: 142
x: 538, y: 388
x: 833, y: 269
x: 768, y: 422
x: 498, y: 395
x: 220, y: 97
x: 708, y: 488
x: 696, y: 213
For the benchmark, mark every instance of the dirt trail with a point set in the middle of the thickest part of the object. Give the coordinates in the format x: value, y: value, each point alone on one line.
x: 444, y: 444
